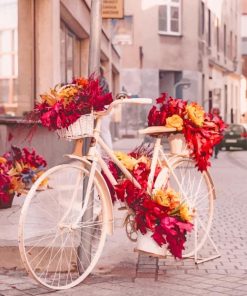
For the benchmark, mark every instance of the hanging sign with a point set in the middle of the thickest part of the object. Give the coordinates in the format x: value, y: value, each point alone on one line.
x: 113, y: 9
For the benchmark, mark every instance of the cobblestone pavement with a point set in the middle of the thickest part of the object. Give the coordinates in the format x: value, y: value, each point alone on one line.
x: 123, y: 272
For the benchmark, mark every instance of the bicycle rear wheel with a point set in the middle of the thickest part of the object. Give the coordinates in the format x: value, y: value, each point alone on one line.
x: 197, y: 190
x: 57, y: 248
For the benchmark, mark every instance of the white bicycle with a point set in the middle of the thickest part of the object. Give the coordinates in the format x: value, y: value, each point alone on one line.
x: 67, y: 213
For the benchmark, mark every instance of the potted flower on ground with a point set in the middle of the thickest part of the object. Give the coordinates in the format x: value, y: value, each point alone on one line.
x: 19, y: 168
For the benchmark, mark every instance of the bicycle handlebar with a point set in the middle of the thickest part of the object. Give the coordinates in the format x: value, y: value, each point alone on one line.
x: 124, y: 100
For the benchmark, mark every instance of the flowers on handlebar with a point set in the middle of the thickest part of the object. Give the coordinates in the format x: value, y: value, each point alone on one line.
x: 201, y: 130
x: 63, y: 105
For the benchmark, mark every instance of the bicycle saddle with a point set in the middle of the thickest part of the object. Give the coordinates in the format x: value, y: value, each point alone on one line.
x: 156, y: 130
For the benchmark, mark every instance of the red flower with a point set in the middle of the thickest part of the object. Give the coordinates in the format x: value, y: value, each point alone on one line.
x: 33, y: 159
x: 5, y: 187
x: 200, y: 140
x: 61, y: 114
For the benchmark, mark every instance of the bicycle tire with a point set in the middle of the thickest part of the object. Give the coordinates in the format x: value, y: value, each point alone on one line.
x: 57, y: 252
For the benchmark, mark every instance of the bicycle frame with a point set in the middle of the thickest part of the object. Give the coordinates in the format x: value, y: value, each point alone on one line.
x: 156, y: 153
x: 94, y: 156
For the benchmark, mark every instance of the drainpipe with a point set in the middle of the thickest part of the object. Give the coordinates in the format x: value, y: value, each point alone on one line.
x: 93, y: 67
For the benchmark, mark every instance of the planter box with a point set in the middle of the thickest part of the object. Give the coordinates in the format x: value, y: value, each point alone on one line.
x: 177, y: 144
x: 7, y: 204
x: 146, y: 243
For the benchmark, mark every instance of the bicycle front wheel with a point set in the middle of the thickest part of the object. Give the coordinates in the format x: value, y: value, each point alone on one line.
x: 62, y: 234
x: 197, y: 190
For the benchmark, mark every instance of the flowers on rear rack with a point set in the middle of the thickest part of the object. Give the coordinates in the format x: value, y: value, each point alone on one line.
x: 162, y: 211
x: 202, y: 130
x: 63, y: 105
x: 19, y: 168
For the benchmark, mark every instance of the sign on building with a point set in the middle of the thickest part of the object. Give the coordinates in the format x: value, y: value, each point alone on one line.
x: 113, y: 9
x: 122, y: 31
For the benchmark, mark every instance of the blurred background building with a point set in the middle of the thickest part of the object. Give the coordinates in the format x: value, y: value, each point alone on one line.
x: 190, y: 49
x: 195, y: 49
x: 42, y: 43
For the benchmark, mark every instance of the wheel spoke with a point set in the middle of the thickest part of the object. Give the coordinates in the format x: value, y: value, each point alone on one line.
x: 196, y: 190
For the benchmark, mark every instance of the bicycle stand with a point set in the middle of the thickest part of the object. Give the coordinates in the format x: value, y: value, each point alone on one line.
x: 196, y: 257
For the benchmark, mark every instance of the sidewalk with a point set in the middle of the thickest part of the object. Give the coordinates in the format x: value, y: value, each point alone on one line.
x: 127, y: 144
x: 121, y: 271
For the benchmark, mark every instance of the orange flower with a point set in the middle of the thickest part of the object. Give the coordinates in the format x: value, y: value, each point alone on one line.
x: 3, y: 160
x: 196, y: 113
x: 175, y: 121
x: 81, y: 81
x: 17, y: 185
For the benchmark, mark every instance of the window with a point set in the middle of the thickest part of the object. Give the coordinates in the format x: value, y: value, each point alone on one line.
x: 8, y: 52
x: 230, y: 45
x: 202, y: 18
x: 170, y: 17
x: 209, y: 27
x: 70, y: 54
x: 218, y: 35
x: 235, y: 50
x: 224, y: 40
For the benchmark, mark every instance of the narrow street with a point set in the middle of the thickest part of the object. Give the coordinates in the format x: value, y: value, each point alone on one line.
x: 121, y: 271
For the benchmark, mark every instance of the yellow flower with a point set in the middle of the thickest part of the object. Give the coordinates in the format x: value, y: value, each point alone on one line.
x: 168, y: 198
x: 196, y: 113
x: 161, y: 198
x: 66, y: 94
x: 175, y: 121
x: 128, y: 161
x: 16, y: 169
x: 185, y: 213
x: 68, y: 91
x: 44, y: 183
x: 50, y: 100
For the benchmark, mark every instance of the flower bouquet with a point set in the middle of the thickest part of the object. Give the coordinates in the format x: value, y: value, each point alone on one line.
x: 19, y: 168
x: 201, y: 130
x: 162, y: 219
x: 66, y: 105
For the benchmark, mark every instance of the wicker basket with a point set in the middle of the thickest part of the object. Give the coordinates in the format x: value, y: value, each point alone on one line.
x: 177, y: 144
x: 146, y: 243
x: 83, y: 127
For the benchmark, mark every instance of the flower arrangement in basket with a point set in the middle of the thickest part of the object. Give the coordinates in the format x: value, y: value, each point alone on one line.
x: 201, y: 130
x: 19, y: 168
x: 67, y: 108
x: 161, y: 216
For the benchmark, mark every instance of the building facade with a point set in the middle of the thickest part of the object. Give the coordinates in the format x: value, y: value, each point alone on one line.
x: 43, y: 43
x: 244, y: 61
x: 190, y: 49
